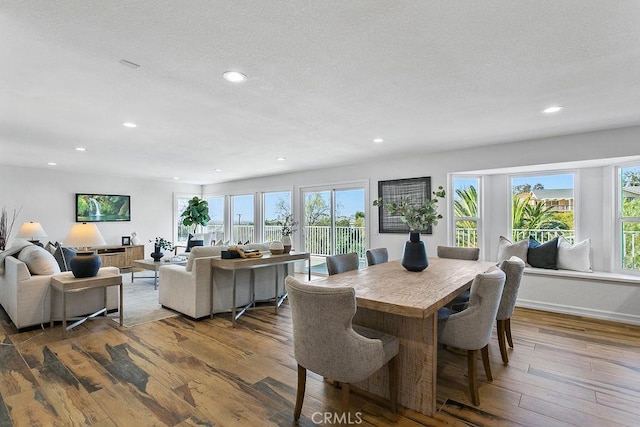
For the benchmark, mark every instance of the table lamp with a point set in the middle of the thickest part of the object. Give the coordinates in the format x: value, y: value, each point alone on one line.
x: 31, y: 231
x: 86, y: 263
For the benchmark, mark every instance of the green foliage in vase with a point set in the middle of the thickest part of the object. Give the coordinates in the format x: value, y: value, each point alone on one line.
x: 196, y: 213
x: 418, y: 216
x: 163, y: 243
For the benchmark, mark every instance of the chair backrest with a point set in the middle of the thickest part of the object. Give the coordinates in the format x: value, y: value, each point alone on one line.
x: 513, y: 269
x: 377, y: 256
x: 323, y: 337
x: 341, y: 263
x: 471, y: 328
x: 471, y: 254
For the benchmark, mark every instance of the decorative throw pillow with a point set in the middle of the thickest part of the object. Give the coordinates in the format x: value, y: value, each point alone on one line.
x: 507, y: 249
x: 63, y: 256
x: 543, y: 255
x: 575, y: 257
x: 39, y: 260
x: 192, y: 241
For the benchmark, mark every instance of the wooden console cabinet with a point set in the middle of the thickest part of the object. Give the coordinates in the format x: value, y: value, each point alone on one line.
x: 119, y: 256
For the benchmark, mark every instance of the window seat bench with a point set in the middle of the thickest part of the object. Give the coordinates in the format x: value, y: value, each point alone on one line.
x: 600, y: 294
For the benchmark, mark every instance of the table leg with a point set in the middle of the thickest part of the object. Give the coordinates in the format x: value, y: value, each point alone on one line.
x: 155, y: 278
x: 121, y: 307
x: 233, y: 300
x: 275, y: 297
x: 309, y: 269
x: 104, y: 298
x: 64, y: 312
x: 52, y: 290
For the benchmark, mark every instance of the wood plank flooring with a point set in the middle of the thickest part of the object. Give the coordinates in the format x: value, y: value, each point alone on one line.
x: 564, y: 371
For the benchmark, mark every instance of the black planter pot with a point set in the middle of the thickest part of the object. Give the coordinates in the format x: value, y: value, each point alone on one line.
x: 414, y: 257
x: 156, y: 254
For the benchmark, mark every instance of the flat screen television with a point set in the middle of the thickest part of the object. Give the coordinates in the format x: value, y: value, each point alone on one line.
x: 102, y: 207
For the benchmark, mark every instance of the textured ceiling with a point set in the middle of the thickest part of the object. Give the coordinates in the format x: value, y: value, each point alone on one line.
x: 324, y: 79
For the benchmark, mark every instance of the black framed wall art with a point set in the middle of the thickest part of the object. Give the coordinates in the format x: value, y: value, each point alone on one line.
x: 415, y: 189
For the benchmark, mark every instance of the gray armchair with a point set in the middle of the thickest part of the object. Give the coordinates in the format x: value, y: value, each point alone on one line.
x: 513, y: 268
x: 325, y: 341
x: 470, y: 329
x: 377, y: 256
x: 344, y: 262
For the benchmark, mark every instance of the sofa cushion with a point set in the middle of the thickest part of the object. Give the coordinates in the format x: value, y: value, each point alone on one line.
x: 575, y: 257
x: 507, y: 249
x: 63, y: 256
x: 39, y: 260
x: 543, y: 255
x: 202, y: 252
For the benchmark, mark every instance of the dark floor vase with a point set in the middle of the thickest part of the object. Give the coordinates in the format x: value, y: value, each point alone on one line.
x: 414, y: 257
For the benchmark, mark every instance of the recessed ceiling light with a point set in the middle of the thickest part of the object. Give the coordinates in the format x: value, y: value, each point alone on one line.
x: 52, y: 163
x: 217, y: 170
x: 176, y: 177
x: 81, y: 149
x: 281, y: 158
x: 234, y: 77
x: 553, y: 109
x: 129, y: 125
x: 378, y: 140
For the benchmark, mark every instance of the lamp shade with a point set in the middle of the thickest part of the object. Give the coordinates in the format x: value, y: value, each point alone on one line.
x: 84, y: 235
x: 31, y: 230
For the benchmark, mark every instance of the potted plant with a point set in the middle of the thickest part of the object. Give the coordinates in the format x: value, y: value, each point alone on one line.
x: 196, y: 213
x: 158, y: 244
x: 418, y: 217
x: 288, y: 227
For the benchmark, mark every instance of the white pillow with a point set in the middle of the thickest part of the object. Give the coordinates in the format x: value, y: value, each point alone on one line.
x: 575, y: 257
x: 39, y: 260
x: 506, y: 249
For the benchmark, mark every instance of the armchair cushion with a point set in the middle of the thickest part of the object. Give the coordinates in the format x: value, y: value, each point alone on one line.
x: 202, y: 252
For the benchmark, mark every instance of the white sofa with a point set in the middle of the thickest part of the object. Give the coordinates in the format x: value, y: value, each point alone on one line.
x: 27, y: 298
x: 187, y: 289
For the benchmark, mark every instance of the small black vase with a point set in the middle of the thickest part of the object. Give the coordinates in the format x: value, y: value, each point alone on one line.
x: 414, y: 257
x: 156, y: 254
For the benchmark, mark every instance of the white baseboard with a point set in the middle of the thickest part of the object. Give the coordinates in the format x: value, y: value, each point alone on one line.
x: 580, y: 311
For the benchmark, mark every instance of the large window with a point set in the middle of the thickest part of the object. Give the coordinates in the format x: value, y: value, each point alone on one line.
x: 543, y: 207
x: 181, y: 232
x: 629, y: 217
x: 242, y: 218
x: 276, y: 207
x: 216, y: 212
x: 466, y: 211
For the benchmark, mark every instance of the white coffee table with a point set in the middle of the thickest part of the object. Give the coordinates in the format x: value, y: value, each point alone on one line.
x: 150, y: 264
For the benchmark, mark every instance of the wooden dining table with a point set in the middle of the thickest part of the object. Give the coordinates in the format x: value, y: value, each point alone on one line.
x: 405, y: 304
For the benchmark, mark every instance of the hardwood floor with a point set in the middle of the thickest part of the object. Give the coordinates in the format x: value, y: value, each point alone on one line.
x: 178, y: 372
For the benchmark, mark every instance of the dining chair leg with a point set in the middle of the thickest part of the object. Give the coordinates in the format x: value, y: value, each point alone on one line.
x: 485, y: 362
x: 345, y: 398
x: 508, y: 330
x: 302, y: 382
x: 501, y: 340
x: 473, y: 375
x: 393, y: 384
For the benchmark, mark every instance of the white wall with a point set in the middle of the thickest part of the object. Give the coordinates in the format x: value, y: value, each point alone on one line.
x: 48, y: 196
x: 557, y: 150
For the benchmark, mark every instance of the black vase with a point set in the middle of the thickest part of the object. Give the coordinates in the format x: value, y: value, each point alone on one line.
x: 414, y: 257
x: 156, y: 254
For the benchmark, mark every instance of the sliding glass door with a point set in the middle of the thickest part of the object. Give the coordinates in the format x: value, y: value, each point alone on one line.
x: 334, y: 223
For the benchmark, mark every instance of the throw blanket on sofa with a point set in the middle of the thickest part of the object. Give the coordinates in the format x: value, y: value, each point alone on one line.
x: 17, y: 247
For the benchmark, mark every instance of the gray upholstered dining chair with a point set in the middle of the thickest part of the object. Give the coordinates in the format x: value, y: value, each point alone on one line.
x: 471, y: 254
x: 326, y: 342
x: 377, y: 256
x: 513, y: 269
x: 344, y: 262
x: 471, y: 328
x: 468, y: 254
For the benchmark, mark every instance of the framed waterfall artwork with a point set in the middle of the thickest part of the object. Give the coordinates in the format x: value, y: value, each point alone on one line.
x: 102, y: 207
x: 416, y: 189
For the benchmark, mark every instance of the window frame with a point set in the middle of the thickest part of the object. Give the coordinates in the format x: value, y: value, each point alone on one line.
x: 452, y: 241
x: 619, y: 221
